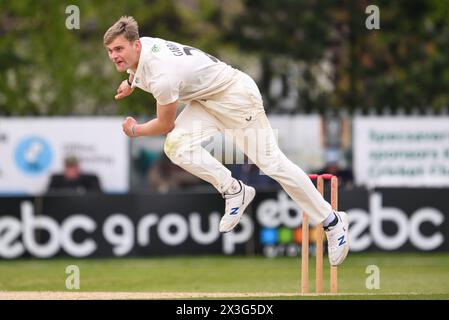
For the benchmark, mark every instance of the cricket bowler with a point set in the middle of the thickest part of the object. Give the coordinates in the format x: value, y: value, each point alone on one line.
x: 217, y: 98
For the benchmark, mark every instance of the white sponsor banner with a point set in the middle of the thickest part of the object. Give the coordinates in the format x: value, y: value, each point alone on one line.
x: 300, y: 137
x: 401, y: 151
x: 31, y: 149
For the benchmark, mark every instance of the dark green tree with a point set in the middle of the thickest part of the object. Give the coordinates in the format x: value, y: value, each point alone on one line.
x: 403, y: 64
x: 47, y: 69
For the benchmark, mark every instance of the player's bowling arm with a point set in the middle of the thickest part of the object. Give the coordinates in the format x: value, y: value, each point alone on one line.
x: 163, y: 124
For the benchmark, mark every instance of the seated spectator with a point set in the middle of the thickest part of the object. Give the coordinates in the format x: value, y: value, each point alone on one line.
x: 73, y: 181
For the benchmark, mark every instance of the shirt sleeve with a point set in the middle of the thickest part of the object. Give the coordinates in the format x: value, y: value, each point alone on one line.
x: 165, y: 88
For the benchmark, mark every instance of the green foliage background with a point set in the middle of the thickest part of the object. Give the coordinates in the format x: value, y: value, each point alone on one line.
x: 46, y: 69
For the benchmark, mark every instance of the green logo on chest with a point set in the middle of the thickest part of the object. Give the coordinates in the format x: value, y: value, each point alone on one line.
x: 155, y: 48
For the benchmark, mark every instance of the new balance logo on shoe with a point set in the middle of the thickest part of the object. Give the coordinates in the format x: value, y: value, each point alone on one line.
x: 234, y: 211
x: 338, y: 239
x: 341, y: 240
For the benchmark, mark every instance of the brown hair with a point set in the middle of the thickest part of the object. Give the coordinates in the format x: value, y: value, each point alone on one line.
x: 126, y: 26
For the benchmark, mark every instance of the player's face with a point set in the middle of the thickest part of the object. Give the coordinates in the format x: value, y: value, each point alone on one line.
x: 123, y: 53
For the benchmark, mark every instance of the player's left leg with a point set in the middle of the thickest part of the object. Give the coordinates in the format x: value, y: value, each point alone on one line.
x: 240, y: 111
x: 258, y: 142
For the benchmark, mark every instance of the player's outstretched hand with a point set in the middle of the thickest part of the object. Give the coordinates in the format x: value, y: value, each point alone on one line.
x: 123, y: 90
x: 127, y: 125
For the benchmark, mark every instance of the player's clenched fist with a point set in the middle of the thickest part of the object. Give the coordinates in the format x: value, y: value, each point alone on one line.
x: 128, y: 126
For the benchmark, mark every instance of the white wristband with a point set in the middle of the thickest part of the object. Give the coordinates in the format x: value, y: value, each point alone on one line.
x: 132, y: 131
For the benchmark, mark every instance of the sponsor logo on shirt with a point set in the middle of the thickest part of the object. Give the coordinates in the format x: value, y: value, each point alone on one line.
x: 155, y: 48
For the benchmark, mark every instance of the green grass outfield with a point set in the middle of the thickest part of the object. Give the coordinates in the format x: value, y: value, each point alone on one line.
x: 402, y: 276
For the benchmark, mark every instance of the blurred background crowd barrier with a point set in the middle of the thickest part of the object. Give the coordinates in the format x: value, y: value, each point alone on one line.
x: 371, y: 151
x: 393, y: 182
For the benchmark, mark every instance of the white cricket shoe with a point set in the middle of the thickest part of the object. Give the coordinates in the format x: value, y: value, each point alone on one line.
x: 338, y: 239
x: 235, y: 206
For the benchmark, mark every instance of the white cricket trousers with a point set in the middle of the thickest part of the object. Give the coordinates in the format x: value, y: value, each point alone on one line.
x: 238, y: 112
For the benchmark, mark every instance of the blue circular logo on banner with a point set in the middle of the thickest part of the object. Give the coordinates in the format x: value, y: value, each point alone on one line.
x: 33, y: 155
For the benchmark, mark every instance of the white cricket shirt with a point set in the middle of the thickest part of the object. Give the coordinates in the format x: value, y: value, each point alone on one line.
x: 172, y: 71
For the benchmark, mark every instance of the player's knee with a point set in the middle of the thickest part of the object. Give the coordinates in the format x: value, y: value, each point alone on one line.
x: 175, y: 145
x: 171, y: 144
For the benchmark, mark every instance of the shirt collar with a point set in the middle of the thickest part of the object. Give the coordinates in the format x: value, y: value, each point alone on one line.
x: 140, y: 67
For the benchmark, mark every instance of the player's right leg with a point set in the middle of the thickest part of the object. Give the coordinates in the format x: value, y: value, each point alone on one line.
x: 183, y: 146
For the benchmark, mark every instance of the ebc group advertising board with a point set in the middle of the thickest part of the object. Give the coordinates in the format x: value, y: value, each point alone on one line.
x: 187, y: 224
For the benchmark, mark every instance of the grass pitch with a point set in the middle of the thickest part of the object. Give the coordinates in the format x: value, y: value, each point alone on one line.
x: 402, y: 276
